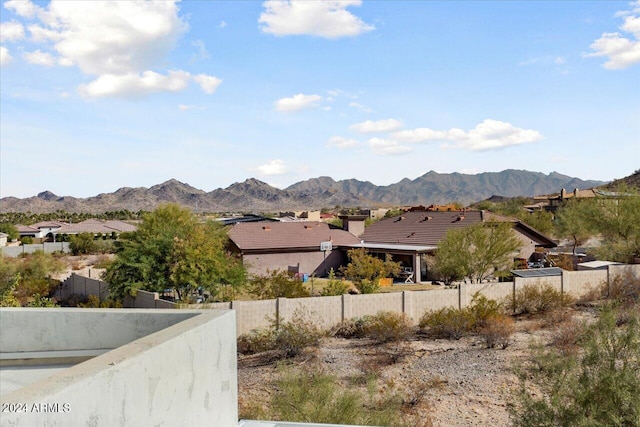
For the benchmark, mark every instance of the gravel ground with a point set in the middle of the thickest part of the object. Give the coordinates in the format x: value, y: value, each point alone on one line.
x: 450, y: 383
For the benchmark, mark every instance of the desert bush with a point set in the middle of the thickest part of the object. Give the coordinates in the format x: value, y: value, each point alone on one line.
x: 349, y: 328
x: 82, y: 244
x: 482, y: 309
x: 387, y: 326
x: 256, y: 341
x: 314, y: 396
x: 285, y: 339
x: 567, y: 337
x: 534, y: 299
x: 449, y: 322
x: 103, y: 261
x: 625, y: 289
x: 497, y: 330
x: 277, y: 284
x: 293, y: 336
x: 334, y: 286
x: 599, y: 385
x: 26, y: 240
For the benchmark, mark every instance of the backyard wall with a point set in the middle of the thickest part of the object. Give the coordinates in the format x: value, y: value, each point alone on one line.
x: 328, y: 311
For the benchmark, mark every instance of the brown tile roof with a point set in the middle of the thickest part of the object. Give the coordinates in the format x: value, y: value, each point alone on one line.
x: 48, y: 224
x: 419, y: 228
x: 428, y: 228
x: 287, y: 235
x: 97, y: 226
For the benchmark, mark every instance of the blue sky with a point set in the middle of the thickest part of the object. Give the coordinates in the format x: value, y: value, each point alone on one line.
x: 95, y: 96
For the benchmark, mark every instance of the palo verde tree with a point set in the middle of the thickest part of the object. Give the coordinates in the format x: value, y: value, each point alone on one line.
x: 615, y: 217
x: 172, y: 250
x: 476, y: 251
x: 366, y: 270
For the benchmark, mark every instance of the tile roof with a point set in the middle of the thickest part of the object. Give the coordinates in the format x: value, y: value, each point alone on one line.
x: 288, y: 235
x: 48, y: 224
x: 419, y: 228
x: 97, y: 226
x: 428, y: 228
x: 26, y: 229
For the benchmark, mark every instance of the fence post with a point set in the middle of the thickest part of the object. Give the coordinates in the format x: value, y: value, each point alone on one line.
x: 460, y: 296
x: 347, y: 307
x: 407, y: 304
x: 513, y: 298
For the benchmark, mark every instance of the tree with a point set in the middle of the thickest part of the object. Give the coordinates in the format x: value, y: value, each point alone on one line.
x: 82, y: 244
x: 277, y: 284
x: 614, y: 217
x: 574, y: 221
x: 366, y: 270
x: 597, y: 386
x: 28, y: 278
x: 172, y: 250
x: 476, y: 251
x: 10, y: 230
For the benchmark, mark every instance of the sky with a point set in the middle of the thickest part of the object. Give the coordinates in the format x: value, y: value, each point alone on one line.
x: 95, y: 96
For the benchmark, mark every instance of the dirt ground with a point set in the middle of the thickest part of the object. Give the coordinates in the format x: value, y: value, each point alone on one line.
x: 445, y: 382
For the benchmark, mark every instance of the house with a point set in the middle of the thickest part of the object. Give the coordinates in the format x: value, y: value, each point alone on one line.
x: 310, y: 247
x: 96, y: 226
x: 40, y: 230
x: 552, y: 202
x: 412, y: 236
x: 4, y: 238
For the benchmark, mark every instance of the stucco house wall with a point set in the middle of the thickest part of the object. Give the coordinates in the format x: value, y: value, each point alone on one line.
x: 309, y: 262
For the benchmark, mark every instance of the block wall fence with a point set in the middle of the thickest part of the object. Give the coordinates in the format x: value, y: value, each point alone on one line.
x: 328, y: 311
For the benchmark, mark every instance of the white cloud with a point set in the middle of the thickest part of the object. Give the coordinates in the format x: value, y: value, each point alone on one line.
x: 222, y: 24
x: 11, y: 31
x: 274, y: 167
x: 22, y: 8
x: 297, y: 102
x: 621, y: 51
x: 117, y: 42
x: 209, y: 84
x: 324, y: 18
x: 488, y: 135
x: 104, y: 37
x: 135, y: 85
x: 370, y: 126
x: 38, y: 57
x: 420, y: 135
x: 388, y: 147
x: 360, y: 107
x: 5, y: 57
x: 183, y: 107
x: 342, y: 143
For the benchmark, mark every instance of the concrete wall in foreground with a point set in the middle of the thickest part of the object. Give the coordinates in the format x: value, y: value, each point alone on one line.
x: 185, y: 374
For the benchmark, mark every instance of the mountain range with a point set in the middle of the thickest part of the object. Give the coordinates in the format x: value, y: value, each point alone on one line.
x: 253, y: 195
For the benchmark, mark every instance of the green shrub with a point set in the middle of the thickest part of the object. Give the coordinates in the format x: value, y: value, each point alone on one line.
x: 386, y: 326
x: 596, y: 386
x: 334, y: 286
x: 625, y: 289
x: 26, y: 240
x: 482, y: 309
x: 82, y: 244
x: 314, y: 396
x: 277, y: 284
x: 534, y: 299
x: 449, y: 322
x: 286, y: 339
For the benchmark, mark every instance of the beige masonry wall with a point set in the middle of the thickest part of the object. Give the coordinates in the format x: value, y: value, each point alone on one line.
x: 328, y: 311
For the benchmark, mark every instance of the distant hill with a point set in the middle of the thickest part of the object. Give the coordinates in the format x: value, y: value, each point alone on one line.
x: 253, y: 195
x: 632, y: 181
